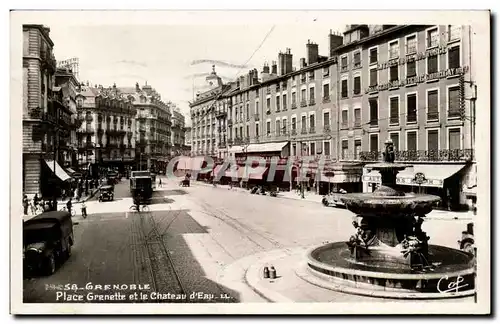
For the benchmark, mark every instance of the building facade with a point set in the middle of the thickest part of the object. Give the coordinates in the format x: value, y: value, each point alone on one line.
x: 153, y: 127
x: 178, y: 138
x: 413, y: 85
x: 47, y: 122
x: 187, y: 140
x: 107, y: 134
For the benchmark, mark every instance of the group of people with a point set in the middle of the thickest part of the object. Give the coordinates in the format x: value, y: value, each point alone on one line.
x: 38, y: 205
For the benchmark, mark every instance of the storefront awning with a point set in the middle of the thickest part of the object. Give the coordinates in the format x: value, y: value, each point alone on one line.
x: 258, y: 148
x: 248, y: 172
x: 340, y: 177
x: 70, y: 170
x: 434, y: 174
x: 59, y: 172
x: 232, y: 172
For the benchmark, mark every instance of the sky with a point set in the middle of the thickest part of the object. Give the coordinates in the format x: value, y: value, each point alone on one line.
x: 163, y: 54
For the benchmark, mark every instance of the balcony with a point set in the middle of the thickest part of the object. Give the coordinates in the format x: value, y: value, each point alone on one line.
x: 294, y: 105
x: 268, y: 90
x: 293, y: 132
x: 220, y: 114
x: 326, y: 99
x: 278, y: 108
x: 222, y: 145
x: 312, y: 130
x: 115, y: 131
x: 256, y: 117
x: 230, y: 141
x: 327, y: 129
x: 423, y: 156
x: 284, y: 107
x: 303, y: 103
x: 373, y: 122
x: 312, y: 102
x: 86, y: 130
x: 303, y: 131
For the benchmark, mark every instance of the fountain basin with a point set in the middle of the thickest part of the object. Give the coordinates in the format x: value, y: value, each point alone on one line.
x: 370, y: 204
x: 334, y: 264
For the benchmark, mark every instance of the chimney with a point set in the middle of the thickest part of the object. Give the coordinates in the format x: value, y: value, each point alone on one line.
x: 312, y: 52
x: 255, y: 76
x: 274, y: 68
x: 265, y: 69
x: 302, y: 62
x: 288, y: 61
x: 281, y: 63
x: 336, y: 40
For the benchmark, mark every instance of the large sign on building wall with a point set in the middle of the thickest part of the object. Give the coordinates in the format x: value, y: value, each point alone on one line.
x: 412, y: 57
x: 419, y: 79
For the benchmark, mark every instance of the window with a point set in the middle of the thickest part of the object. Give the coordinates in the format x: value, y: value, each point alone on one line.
x: 411, y: 141
x: 453, y: 32
x: 373, y: 77
x: 256, y: 130
x: 395, y: 140
x: 374, y: 143
x: 313, y: 148
x: 277, y: 103
x: 326, y: 91
x: 326, y: 118
x: 357, y: 149
x: 326, y: 148
x: 432, y: 37
x: 303, y: 95
x: 357, y: 59
x: 268, y: 102
x: 411, y: 44
x: 311, y: 95
x: 304, y: 124
x: 393, y: 50
x: 394, y: 73
x: 294, y: 98
x: 344, y: 89
x: 241, y: 132
x: 411, y: 68
x: 432, y: 64
x: 432, y: 105
x: 256, y: 107
x: 284, y: 101
x: 248, y: 130
x: 278, y: 127
x: 284, y: 126
x: 433, y: 140
x: 268, y: 128
x: 454, y: 57
x: 343, y: 63
x: 312, y: 122
x: 357, y: 85
x: 294, y: 123
x: 411, y: 108
x: 454, y: 102
x: 454, y: 139
x: 311, y: 75
x: 248, y: 111
x: 394, y: 105
x: 294, y: 149
x: 357, y: 117
x: 236, y: 132
x: 373, y: 103
x: 326, y: 71
x: 373, y: 55
x: 345, y: 149
x: 344, y: 119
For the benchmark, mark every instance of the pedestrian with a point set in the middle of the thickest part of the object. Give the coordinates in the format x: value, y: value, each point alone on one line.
x: 25, y: 204
x: 160, y: 182
x: 69, y: 204
x: 35, y: 199
x: 84, y: 209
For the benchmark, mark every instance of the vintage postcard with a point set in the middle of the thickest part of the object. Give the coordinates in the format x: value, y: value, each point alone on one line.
x: 250, y: 162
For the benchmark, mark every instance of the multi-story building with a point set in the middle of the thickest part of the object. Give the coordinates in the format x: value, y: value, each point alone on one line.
x: 153, y: 127
x: 204, y: 117
x: 107, y: 134
x: 413, y: 85
x: 178, y: 132
x: 46, y: 116
x: 66, y: 80
x: 187, y: 140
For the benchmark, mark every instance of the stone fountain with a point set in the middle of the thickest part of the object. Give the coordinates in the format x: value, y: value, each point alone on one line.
x: 389, y: 254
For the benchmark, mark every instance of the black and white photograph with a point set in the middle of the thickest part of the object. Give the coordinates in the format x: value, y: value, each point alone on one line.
x: 250, y: 162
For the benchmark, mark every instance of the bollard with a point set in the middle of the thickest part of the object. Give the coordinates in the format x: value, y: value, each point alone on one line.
x: 266, y: 273
x: 272, y: 273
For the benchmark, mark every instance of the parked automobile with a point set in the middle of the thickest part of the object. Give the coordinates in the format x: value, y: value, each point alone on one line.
x: 467, y: 243
x: 47, y: 242
x: 334, y: 199
x: 106, y: 193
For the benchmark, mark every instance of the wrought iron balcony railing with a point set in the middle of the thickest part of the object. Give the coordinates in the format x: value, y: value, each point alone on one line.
x: 327, y: 129
x: 422, y: 155
x: 312, y: 102
x: 256, y: 117
x: 326, y: 99
x: 312, y: 130
x: 294, y: 105
x: 303, y: 103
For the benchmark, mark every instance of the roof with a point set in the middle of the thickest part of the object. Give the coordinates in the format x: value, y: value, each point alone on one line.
x: 37, y: 226
x: 49, y: 216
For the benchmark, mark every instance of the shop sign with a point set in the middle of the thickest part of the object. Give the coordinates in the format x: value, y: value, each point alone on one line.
x: 412, y: 58
x: 419, y: 79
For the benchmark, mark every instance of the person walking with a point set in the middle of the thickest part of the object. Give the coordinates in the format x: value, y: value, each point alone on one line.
x: 84, y: 209
x: 160, y: 183
x: 69, y: 204
x: 25, y: 205
x: 35, y: 200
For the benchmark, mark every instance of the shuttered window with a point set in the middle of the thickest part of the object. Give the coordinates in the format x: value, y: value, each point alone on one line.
x: 394, y: 110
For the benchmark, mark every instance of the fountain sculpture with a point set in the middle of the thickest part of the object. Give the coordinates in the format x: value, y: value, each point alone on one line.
x: 389, y: 255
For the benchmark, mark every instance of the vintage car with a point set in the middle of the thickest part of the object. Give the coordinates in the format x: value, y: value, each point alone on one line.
x: 106, y: 193
x: 333, y: 199
x: 47, y: 242
x: 467, y: 243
